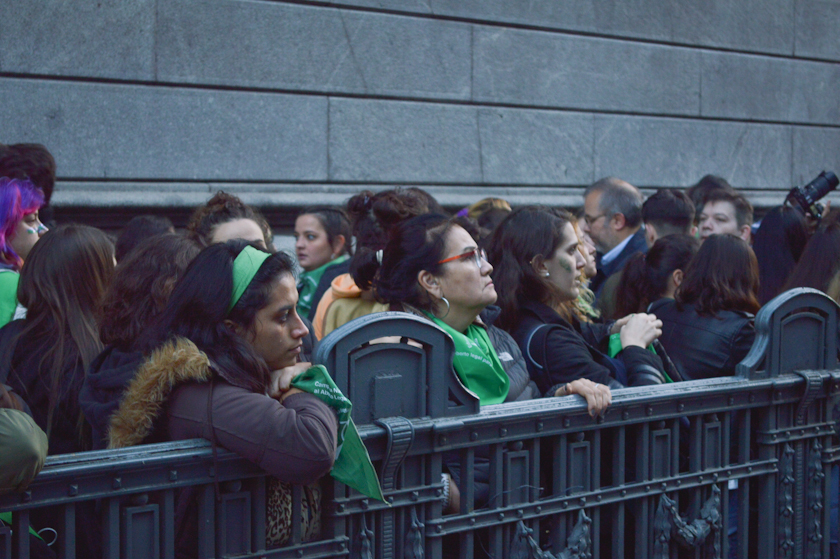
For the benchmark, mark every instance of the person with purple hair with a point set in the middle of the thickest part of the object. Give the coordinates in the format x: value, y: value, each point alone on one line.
x: 20, y: 229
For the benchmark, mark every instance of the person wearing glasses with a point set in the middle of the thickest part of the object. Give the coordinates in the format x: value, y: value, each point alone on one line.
x: 613, y: 220
x: 432, y: 267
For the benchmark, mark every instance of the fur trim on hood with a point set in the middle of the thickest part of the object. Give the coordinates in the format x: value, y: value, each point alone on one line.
x: 176, y: 362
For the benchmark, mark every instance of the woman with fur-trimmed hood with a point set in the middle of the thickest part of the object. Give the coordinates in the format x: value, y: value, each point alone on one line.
x: 220, y: 360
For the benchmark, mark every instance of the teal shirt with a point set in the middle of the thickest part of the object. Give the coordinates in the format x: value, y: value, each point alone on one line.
x: 308, y: 284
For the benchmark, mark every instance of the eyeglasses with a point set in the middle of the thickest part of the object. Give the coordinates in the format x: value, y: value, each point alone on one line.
x: 478, y: 254
x: 592, y: 219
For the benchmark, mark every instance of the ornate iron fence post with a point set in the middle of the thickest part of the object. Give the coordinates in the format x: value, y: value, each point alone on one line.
x: 669, y: 525
x: 578, y: 545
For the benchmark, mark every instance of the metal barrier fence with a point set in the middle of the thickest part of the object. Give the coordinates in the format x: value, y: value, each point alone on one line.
x: 672, y: 471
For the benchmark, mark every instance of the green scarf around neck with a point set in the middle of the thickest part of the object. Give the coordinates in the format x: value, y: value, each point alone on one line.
x: 477, y: 363
x: 308, y: 283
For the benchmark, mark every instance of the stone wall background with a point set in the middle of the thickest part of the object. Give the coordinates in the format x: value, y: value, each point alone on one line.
x: 154, y: 104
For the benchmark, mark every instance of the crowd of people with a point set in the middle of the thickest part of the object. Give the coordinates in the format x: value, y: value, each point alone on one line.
x: 164, y: 336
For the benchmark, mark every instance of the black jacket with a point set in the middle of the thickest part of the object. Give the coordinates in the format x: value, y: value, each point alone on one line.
x: 704, y: 346
x: 637, y: 243
x: 21, y: 361
x: 567, y: 352
x: 521, y: 385
x: 103, y: 389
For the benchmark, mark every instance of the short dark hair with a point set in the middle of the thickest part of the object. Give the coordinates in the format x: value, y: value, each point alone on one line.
x: 618, y: 197
x: 222, y: 208
x: 670, y: 211
x: 722, y: 276
x: 138, y: 229
x: 528, y: 232
x: 141, y: 286
x: 334, y: 221
x: 704, y: 186
x: 743, y: 208
x: 29, y: 161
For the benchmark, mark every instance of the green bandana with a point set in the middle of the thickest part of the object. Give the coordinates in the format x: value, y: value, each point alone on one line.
x: 245, y: 267
x: 352, y: 465
x: 6, y: 518
x: 477, y: 364
x: 308, y: 283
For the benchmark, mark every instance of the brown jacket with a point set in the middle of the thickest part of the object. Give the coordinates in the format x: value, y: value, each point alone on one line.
x: 172, y: 398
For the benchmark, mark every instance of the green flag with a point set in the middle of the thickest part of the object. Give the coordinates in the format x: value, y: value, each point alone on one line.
x: 352, y: 464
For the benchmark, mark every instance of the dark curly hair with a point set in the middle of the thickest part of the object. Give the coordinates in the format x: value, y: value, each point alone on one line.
x: 373, y: 216
x: 141, y: 287
x: 222, y: 208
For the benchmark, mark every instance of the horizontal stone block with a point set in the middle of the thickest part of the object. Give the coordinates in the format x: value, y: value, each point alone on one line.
x: 816, y: 29
x: 664, y: 152
x: 545, y: 69
x: 281, y: 202
x: 754, y: 25
x: 814, y: 150
x: 101, y: 38
x: 137, y: 132
x: 273, y: 45
x: 536, y: 147
x: 79, y: 194
x: 762, y: 88
x: 403, y: 141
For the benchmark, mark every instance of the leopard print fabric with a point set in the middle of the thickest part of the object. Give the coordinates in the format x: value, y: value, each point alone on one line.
x: 278, y: 521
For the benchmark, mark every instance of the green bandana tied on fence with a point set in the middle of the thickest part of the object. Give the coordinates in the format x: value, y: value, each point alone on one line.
x: 352, y: 464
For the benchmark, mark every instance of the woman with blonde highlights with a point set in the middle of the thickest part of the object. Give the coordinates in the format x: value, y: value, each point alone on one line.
x: 538, y: 275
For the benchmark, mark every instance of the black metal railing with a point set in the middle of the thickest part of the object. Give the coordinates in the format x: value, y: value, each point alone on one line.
x: 686, y: 469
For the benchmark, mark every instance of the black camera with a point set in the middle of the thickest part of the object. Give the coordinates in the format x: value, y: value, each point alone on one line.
x: 807, y: 196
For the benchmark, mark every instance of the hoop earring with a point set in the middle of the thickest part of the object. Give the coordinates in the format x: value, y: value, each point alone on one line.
x: 448, y: 308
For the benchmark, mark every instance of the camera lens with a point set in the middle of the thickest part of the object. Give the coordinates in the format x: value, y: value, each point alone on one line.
x: 820, y: 186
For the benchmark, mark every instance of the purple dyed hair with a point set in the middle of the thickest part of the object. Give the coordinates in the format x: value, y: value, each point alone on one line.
x: 18, y: 198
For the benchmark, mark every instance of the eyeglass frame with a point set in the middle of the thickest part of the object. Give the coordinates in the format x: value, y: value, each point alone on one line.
x: 590, y: 220
x: 477, y: 253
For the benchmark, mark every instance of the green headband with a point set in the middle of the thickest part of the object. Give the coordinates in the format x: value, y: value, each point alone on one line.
x: 245, y: 267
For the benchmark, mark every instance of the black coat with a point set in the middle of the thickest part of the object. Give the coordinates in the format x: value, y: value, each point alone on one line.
x: 704, y: 346
x: 103, y: 389
x: 21, y: 361
x: 69, y: 432
x: 568, y: 352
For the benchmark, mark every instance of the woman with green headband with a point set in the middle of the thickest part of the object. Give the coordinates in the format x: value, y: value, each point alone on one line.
x: 219, y: 361
x: 432, y: 266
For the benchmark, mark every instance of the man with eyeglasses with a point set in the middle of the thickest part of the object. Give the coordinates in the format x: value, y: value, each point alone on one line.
x: 613, y: 220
